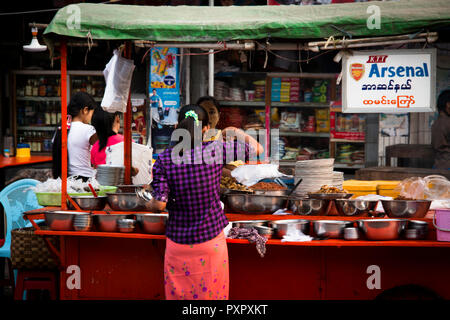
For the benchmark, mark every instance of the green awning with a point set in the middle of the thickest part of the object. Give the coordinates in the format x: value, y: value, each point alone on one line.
x: 202, y: 23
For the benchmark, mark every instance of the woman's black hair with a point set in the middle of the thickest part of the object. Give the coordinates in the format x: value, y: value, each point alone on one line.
x: 103, y: 122
x: 211, y: 99
x: 444, y: 97
x: 188, y: 122
x: 78, y: 101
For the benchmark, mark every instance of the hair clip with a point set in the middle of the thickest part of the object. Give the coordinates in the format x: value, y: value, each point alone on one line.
x: 192, y: 114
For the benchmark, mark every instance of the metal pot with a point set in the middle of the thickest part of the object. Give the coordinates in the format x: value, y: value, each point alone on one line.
x: 382, y: 229
x: 333, y: 229
x: 308, y: 207
x: 108, y: 222
x: 249, y: 223
x: 61, y: 220
x: 152, y: 223
x: 281, y: 227
x: 255, y: 203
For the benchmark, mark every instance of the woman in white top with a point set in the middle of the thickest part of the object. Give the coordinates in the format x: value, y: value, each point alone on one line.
x: 81, y: 135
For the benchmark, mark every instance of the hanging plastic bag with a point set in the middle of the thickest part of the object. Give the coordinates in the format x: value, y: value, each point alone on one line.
x: 141, y: 159
x: 118, y: 73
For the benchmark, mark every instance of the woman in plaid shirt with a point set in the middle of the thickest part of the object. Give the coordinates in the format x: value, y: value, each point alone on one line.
x: 187, y: 181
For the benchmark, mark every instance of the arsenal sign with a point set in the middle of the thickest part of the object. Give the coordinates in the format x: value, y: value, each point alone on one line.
x: 357, y: 70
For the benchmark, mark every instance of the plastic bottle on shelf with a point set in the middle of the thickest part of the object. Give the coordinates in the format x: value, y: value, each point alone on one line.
x: 35, y: 88
x: 8, y: 144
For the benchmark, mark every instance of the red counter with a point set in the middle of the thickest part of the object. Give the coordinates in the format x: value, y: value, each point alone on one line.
x: 130, y: 266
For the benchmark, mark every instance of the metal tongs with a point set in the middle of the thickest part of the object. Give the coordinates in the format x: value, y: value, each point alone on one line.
x: 143, y: 193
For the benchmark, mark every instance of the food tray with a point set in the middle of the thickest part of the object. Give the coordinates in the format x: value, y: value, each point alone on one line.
x: 54, y: 198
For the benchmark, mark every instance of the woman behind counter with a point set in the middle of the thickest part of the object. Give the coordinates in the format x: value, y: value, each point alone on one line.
x: 107, y: 126
x: 81, y: 135
x: 196, y: 256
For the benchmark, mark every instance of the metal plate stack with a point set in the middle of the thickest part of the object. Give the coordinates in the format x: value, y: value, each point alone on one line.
x: 110, y: 175
x: 315, y: 174
x: 338, y: 179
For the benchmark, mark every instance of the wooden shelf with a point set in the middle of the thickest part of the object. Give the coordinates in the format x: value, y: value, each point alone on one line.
x: 37, y: 128
x: 348, y: 166
x: 262, y: 104
x: 305, y: 134
x: 38, y: 98
x: 347, y: 140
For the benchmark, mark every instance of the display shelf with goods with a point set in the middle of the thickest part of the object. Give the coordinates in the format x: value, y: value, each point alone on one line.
x: 347, y: 133
x: 36, y: 96
x: 35, y: 108
x: 302, y: 104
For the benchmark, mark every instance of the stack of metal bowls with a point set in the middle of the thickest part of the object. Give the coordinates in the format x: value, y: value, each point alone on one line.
x: 110, y: 175
x: 126, y: 225
x: 82, y: 222
x: 416, y: 230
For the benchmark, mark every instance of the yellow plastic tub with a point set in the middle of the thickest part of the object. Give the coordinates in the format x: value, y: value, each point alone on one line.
x: 386, y: 188
x: 360, y: 187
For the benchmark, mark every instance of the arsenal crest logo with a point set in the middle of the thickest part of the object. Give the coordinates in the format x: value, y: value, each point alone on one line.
x: 357, y: 70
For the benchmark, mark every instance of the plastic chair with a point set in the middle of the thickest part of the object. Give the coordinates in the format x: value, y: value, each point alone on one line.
x: 16, y: 198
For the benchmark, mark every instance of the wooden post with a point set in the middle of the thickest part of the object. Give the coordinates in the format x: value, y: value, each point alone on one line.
x: 64, y: 166
x: 127, y: 127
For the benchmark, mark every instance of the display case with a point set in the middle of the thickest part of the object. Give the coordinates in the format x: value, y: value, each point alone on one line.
x: 305, y: 109
x: 36, y: 103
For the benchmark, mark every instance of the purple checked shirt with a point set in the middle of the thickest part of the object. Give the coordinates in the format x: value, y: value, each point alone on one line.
x: 192, y: 190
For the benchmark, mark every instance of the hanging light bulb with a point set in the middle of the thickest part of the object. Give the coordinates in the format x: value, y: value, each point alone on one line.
x: 34, y: 46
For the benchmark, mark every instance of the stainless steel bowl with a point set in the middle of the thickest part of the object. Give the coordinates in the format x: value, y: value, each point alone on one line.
x: 264, y: 231
x: 61, y: 220
x: 255, y: 203
x: 282, y: 227
x: 351, y: 233
x: 406, y: 208
x: 308, y: 207
x: 249, y: 223
x: 152, y: 223
x: 125, y: 202
x: 82, y: 222
x: 333, y: 229
x: 355, y: 207
x: 107, y: 222
x: 414, y: 234
x: 272, y: 192
x: 88, y: 202
x: 128, y: 188
x: 330, y: 196
x: 420, y: 227
x: 382, y: 229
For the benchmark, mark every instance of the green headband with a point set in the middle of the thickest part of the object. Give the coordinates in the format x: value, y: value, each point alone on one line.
x: 191, y: 113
